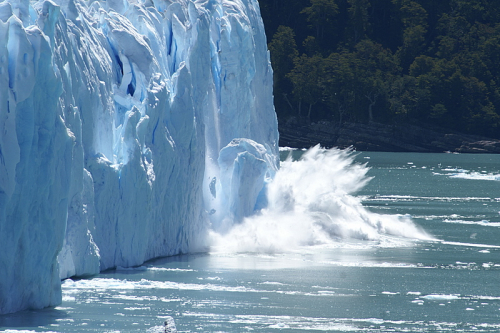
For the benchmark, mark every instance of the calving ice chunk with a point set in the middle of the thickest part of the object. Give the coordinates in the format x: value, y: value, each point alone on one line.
x: 120, y: 134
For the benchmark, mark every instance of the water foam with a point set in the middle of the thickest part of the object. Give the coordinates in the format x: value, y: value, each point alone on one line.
x: 311, y: 202
x: 97, y: 284
x: 469, y: 174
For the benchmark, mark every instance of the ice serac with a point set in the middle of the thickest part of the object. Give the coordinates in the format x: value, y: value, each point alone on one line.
x: 127, y: 129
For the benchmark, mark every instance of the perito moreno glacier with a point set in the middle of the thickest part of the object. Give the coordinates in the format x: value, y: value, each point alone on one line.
x: 127, y: 130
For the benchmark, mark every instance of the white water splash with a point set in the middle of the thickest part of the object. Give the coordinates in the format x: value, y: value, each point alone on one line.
x: 311, y: 202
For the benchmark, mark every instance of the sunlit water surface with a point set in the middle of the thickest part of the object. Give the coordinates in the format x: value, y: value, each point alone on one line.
x: 320, y: 273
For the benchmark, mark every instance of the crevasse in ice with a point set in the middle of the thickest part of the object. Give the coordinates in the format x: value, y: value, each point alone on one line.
x: 126, y: 129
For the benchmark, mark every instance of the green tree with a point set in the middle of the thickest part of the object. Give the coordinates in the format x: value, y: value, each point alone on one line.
x: 455, y: 100
x: 339, y: 85
x: 311, y: 46
x: 321, y: 14
x: 283, y: 51
x: 406, y: 98
x: 472, y: 10
x: 359, y: 19
x: 377, y: 69
x: 414, y: 19
x: 305, y: 77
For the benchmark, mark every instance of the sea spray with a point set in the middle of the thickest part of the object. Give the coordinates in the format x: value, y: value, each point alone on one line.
x: 312, y: 201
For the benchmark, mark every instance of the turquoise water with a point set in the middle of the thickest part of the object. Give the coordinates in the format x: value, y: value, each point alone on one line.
x: 387, y: 284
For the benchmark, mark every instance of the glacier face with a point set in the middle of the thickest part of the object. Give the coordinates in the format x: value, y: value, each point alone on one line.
x: 127, y: 129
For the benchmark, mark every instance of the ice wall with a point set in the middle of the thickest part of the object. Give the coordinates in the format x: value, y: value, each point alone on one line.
x: 126, y: 130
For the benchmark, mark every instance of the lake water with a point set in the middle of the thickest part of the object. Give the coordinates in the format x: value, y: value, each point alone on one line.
x: 447, y: 280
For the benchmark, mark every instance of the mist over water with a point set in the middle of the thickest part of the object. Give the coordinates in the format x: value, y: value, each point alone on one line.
x: 312, y: 201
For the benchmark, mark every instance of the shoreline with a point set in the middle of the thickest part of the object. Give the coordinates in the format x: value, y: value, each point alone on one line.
x: 383, y: 137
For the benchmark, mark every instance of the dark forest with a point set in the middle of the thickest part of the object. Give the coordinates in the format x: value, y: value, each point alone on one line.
x: 426, y: 62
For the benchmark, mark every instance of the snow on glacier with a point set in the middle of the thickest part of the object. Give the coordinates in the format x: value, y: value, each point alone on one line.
x: 127, y: 128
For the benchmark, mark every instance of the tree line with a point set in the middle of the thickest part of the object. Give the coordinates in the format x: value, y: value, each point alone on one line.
x: 432, y: 62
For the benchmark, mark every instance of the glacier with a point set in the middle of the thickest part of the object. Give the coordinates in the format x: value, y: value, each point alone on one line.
x: 127, y: 130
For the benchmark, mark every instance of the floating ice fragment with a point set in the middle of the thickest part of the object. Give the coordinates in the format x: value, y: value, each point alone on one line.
x: 440, y: 297
x: 170, y: 325
x: 279, y: 326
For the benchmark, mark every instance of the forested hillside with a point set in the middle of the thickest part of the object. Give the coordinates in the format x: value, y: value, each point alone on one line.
x: 434, y: 62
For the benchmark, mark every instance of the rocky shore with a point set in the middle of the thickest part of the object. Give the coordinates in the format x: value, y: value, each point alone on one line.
x: 382, y: 137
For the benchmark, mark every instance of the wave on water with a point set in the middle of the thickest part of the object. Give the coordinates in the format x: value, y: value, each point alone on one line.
x: 470, y: 175
x: 312, y: 202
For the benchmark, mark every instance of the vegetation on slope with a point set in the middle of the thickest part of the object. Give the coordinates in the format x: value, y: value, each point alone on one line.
x: 431, y: 62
